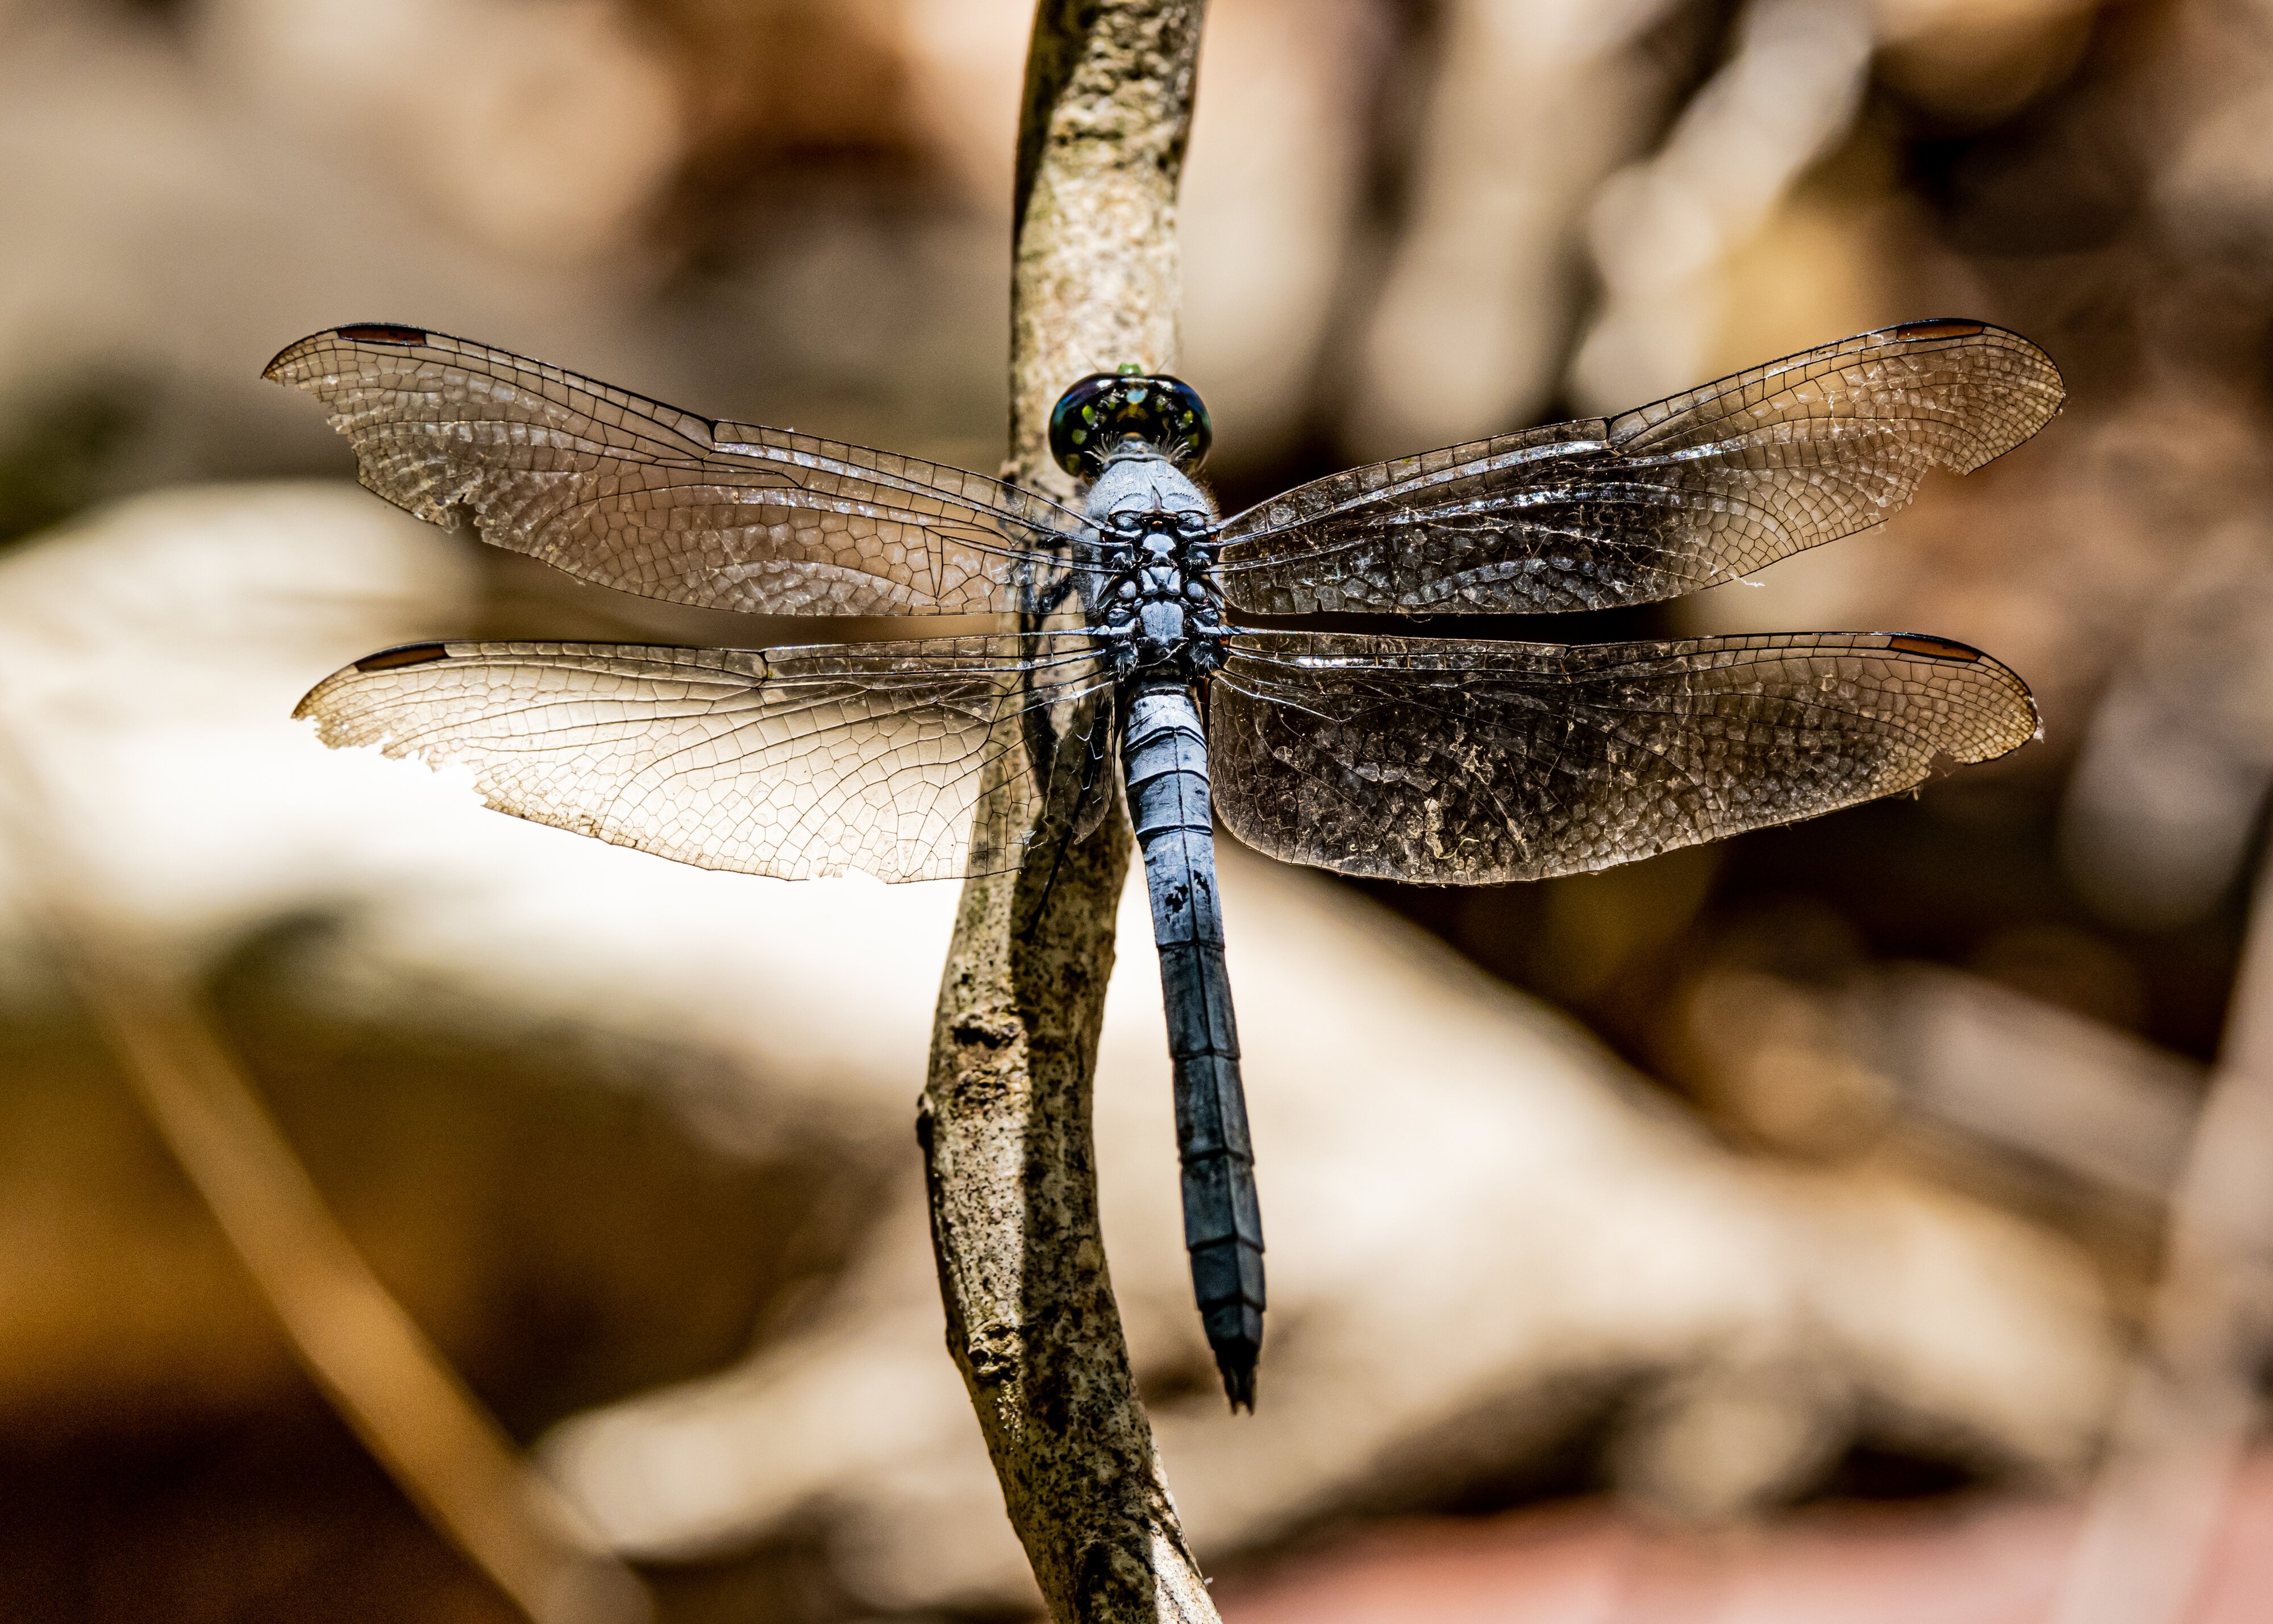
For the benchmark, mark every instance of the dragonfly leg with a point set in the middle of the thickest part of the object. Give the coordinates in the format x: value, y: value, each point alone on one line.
x: 1066, y: 836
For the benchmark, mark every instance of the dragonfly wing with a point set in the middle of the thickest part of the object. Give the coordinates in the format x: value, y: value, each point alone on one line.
x: 632, y: 494
x: 1694, y: 490
x: 1449, y: 763
x: 793, y: 762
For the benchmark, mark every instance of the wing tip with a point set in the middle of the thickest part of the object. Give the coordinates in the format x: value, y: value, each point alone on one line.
x: 2037, y: 389
x: 312, y: 705
x: 396, y: 333
x: 273, y: 373
x: 2045, y: 400
x: 2026, y: 721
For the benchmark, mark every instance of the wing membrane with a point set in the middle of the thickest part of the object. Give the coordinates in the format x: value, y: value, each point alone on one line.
x: 1684, y: 494
x: 793, y: 762
x: 1450, y: 762
x: 632, y: 494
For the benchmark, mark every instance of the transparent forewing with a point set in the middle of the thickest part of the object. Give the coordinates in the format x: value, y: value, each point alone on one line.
x: 639, y: 496
x: 1690, y: 492
x: 1452, y: 763
x: 793, y: 762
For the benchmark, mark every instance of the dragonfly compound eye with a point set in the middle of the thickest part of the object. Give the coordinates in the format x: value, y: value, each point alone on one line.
x: 1104, y: 409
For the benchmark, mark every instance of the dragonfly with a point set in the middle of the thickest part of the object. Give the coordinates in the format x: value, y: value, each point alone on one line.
x: 1123, y: 677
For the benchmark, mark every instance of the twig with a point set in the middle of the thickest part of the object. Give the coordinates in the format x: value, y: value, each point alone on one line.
x: 390, y: 1384
x: 1006, y: 1110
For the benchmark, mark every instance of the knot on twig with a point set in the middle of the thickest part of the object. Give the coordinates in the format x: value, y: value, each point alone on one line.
x: 989, y: 1028
x: 994, y: 1351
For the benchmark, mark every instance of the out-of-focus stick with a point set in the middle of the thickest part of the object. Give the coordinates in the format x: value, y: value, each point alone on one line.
x: 385, y: 1379
x: 2190, y: 1404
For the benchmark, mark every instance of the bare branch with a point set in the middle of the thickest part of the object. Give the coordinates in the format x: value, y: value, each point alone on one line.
x: 1005, y: 1121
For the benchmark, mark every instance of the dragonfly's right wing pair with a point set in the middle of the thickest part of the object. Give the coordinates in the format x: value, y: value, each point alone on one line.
x: 1421, y: 759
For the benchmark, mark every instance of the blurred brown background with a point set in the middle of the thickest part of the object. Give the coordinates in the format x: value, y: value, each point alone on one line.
x: 1804, y: 1268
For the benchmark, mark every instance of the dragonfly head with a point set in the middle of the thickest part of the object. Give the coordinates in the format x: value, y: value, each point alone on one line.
x: 1103, y: 412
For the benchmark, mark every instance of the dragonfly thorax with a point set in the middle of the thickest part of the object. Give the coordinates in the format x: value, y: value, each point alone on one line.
x: 1158, y: 604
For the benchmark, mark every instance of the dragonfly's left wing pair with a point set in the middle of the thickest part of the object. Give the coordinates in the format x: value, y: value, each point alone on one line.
x: 1409, y: 759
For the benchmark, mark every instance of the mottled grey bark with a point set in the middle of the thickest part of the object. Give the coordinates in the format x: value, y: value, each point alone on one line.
x: 1030, y: 1317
